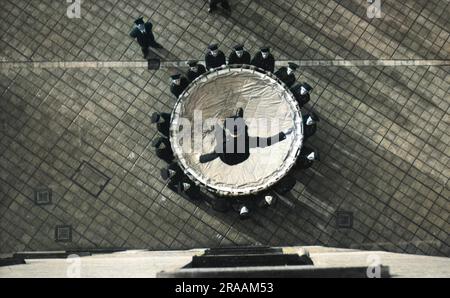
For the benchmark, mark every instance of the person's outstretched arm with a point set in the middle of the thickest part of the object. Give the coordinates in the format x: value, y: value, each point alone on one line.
x: 204, y: 158
x: 265, y: 142
x: 134, y: 32
x: 148, y: 26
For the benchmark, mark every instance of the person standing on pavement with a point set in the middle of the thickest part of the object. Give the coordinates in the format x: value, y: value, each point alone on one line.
x: 142, y: 32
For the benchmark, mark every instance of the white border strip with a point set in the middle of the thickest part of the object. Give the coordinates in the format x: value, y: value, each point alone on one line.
x: 183, y: 63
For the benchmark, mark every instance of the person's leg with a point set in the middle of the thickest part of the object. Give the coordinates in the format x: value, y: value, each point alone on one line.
x: 225, y: 4
x: 212, y: 5
x: 204, y: 158
x: 152, y: 41
x: 145, y: 52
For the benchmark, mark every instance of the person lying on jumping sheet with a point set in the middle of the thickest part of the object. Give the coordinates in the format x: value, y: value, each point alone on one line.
x: 233, y: 142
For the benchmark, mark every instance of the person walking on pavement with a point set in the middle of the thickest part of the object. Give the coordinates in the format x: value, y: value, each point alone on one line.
x: 142, y: 32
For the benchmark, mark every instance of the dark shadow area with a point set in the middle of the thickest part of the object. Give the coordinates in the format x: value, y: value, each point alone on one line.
x: 308, y: 217
x: 332, y: 184
x: 382, y: 187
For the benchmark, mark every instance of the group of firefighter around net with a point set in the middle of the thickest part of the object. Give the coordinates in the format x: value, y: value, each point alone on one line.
x: 184, y: 185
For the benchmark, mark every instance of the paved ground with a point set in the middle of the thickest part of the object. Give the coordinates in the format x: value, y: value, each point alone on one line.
x: 384, y: 135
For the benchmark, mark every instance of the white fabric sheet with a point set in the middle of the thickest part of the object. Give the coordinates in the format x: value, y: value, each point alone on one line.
x: 266, y: 103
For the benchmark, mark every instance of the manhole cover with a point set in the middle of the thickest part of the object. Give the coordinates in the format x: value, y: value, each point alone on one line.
x: 43, y: 196
x: 344, y: 219
x: 63, y: 233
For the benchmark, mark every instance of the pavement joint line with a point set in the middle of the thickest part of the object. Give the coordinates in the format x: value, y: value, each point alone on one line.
x: 183, y: 63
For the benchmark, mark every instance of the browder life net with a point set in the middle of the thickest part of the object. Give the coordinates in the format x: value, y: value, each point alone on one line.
x: 269, y: 108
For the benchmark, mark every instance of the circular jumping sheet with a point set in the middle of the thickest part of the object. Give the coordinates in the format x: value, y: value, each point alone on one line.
x: 268, y: 109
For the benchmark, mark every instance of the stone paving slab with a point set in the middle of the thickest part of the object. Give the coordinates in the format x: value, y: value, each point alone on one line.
x: 384, y: 135
x: 302, y: 29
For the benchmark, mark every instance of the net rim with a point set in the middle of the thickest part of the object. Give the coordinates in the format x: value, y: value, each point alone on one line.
x: 290, y: 160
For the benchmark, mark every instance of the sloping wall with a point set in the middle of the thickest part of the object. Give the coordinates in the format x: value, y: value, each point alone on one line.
x: 149, y: 263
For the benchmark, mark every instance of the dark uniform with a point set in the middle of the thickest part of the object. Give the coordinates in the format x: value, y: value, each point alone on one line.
x: 163, y: 149
x: 221, y: 204
x: 309, y: 129
x: 192, y: 75
x: 182, y: 185
x: 178, y: 88
x: 285, y: 185
x: 303, y: 161
x: 303, y: 164
x: 175, y: 178
x: 306, y: 151
x: 239, y: 143
x: 162, y: 121
x: 288, y: 79
x: 268, y: 64
x: 144, y: 36
x: 262, y: 203
x: 213, y: 4
x: 212, y: 61
x: 235, y: 59
x: 302, y: 99
x: 244, y: 212
x: 244, y: 205
x: 189, y: 189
